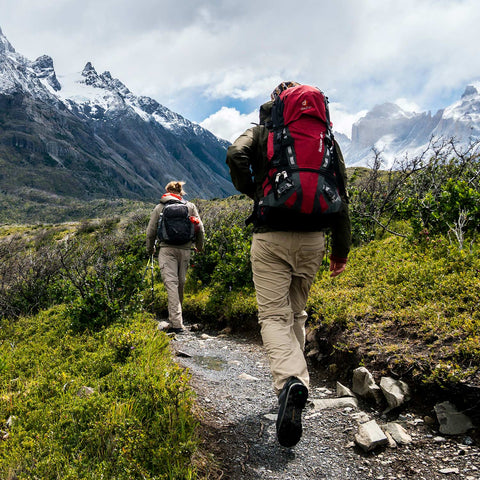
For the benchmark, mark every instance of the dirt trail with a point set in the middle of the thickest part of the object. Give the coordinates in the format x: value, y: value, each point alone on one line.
x: 231, y: 377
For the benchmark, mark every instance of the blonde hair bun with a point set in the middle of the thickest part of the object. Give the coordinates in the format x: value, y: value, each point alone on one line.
x: 175, y: 187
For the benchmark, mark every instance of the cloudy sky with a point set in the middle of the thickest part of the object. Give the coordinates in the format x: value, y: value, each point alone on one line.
x: 215, y: 61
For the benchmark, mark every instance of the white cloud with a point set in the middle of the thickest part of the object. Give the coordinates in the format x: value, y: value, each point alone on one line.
x: 359, y: 53
x: 342, y: 119
x: 408, y: 105
x: 229, y: 123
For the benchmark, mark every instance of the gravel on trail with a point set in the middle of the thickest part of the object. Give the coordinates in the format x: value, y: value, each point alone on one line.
x: 231, y: 378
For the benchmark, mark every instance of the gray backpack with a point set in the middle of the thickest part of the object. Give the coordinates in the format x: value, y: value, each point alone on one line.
x: 174, y: 224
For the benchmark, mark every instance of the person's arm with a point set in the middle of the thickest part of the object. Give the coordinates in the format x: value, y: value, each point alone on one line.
x: 239, y: 156
x: 199, y: 228
x: 152, y: 230
x: 341, y: 227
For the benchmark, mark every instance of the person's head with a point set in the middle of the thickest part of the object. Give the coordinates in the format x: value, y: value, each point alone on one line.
x: 175, y: 187
x: 281, y: 87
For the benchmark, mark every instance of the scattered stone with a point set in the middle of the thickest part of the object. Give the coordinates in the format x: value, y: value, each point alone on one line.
x: 271, y: 416
x: 361, y: 417
x: 12, y: 419
x: 364, y: 384
x: 398, y: 433
x: 328, y: 403
x: 313, y: 353
x: 310, y: 335
x: 429, y: 420
x: 396, y: 391
x: 323, y: 391
x: 183, y: 354
x: 391, y: 442
x: 226, y: 331
x: 452, y: 422
x: 439, y: 439
x: 162, y: 325
x: 234, y: 362
x: 246, y: 376
x: 85, y: 391
x: 204, y: 336
x: 449, y: 470
x: 343, y: 391
x: 370, y: 436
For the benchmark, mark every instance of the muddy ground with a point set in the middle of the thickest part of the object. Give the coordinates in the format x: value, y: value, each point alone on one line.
x: 238, y: 410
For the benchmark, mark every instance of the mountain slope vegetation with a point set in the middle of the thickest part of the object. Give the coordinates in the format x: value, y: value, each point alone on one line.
x: 88, y: 384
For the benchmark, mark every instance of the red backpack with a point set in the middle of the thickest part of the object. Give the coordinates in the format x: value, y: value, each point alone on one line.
x: 301, y: 189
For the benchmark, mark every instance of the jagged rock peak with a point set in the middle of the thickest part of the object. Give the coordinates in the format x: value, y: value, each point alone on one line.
x: 44, y: 62
x: 88, y: 69
x: 470, y: 90
x: 43, y: 68
x: 5, y: 45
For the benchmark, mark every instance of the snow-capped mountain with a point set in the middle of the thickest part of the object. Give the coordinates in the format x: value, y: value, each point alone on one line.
x: 87, y: 136
x: 395, y: 132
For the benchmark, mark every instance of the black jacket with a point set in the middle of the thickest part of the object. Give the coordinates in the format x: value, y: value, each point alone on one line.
x: 248, y: 163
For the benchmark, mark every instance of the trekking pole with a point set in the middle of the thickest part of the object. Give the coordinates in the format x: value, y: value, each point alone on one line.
x: 150, y: 265
x: 151, y: 268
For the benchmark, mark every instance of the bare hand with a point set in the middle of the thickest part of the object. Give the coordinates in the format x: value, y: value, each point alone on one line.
x: 336, y: 268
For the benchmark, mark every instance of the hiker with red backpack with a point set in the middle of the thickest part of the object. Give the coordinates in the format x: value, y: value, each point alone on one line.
x: 176, y: 226
x: 293, y: 169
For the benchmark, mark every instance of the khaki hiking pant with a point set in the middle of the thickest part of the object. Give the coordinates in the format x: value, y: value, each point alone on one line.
x: 173, y: 263
x: 284, y: 265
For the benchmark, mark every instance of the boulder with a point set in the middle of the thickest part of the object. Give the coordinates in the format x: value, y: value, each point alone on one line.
x: 398, y: 433
x: 370, y: 436
x: 364, y: 384
x: 396, y: 392
x: 343, y: 391
x: 452, y: 422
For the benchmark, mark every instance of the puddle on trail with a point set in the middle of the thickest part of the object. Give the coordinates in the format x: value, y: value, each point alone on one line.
x: 212, y: 363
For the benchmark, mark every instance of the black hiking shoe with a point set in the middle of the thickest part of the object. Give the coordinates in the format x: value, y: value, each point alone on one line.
x: 292, y: 400
x: 174, y: 330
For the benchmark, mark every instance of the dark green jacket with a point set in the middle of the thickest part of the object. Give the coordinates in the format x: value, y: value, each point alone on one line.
x: 248, y: 163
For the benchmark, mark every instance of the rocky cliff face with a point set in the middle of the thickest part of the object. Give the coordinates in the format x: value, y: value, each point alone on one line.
x: 396, y: 133
x: 88, y: 137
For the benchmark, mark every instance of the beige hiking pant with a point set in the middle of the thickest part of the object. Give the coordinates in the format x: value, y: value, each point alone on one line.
x: 284, y: 265
x: 173, y: 263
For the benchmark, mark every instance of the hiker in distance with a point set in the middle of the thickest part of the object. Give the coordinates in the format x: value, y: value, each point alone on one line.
x: 293, y: 169
x: 176, y: 225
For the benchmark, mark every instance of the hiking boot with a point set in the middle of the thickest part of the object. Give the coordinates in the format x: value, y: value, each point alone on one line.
x: 175, y: 330
x: 292, y: 400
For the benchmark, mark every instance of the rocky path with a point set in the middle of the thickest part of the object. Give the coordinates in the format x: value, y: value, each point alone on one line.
x: 231, y: 377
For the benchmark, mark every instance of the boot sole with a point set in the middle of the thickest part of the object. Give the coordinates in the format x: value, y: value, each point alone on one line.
x: 289, y: 425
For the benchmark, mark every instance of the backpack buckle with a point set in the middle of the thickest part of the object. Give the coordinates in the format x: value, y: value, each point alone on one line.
x: 282, y: 183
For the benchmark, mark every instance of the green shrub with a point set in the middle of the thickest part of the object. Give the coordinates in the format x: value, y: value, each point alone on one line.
x: 416, y: 305
x: 135, y: 422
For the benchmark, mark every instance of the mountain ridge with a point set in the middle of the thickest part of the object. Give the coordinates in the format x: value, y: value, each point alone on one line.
x: 87, y: 136
x: 395, y: 132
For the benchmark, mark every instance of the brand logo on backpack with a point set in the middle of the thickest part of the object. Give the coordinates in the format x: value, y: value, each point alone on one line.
x: 174, y: 224
x: 301, y: 187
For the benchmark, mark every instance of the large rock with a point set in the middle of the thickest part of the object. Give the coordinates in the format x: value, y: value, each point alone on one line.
x: 343, y: 391
x: 370, y: 436
x: 452, y: 422
x: 398, y: 433
x: 396, y: 392
x: 328, y: 403
x: 364, y: 384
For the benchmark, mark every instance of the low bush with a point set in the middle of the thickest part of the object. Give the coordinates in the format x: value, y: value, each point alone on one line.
x: 108, y: 404
x: 411, y: 307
